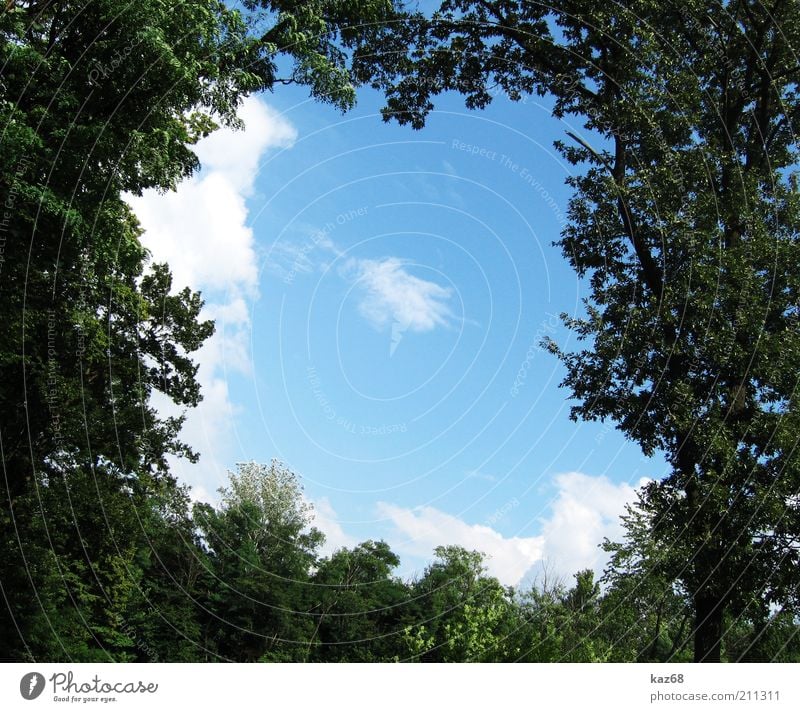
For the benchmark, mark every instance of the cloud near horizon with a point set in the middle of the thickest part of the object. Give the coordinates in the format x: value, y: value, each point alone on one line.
x: 418, y: 531
x: 585, y: 510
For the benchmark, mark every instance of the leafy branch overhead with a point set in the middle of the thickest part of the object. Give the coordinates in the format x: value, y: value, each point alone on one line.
x: 684, y: 222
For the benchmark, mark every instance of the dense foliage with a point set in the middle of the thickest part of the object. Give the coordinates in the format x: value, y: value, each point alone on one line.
x: 245, y: 581
x: 684, y: 225
x: 99, y: 98
x: 684, y: 221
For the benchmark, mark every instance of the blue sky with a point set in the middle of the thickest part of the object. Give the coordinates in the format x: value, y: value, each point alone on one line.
x: 380, y: 297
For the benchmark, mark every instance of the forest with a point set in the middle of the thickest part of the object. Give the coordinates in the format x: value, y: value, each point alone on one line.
x: 683, y: 221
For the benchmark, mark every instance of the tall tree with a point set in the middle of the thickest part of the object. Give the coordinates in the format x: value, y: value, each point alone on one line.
x: 98, y: 98
x: 359, y: 606
x: 262, y: 548
x: 684, y: 222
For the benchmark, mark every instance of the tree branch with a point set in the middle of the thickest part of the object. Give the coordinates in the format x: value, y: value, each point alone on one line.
x: 650, y: 271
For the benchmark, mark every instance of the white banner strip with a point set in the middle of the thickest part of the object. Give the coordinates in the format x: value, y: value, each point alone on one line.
x: 399, y: 688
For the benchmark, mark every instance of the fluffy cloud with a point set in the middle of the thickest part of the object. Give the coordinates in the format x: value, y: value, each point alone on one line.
x: 235, y: 155
x: 200, y: 229
x: 418, y: 531
x: 584, y: 511
x: 391, y: 295
x: 326, y: 520
x: 201, y: 232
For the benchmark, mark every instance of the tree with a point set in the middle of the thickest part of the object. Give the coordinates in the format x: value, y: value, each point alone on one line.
x: 262, y: 549
x: 774, y: 638
x: 645, y: 613
x: 89, y: 330
x: 459, y: 614
x: 98, y: 99
x: 560, y: 624
x: 359, y: 606
x: 684, y: 225
x: 165, y: 624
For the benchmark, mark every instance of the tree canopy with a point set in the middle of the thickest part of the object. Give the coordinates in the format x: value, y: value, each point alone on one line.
x: 98, y: 99
x: 684, y: 223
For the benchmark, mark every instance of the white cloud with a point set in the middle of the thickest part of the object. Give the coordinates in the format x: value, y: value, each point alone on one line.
x: 418, y: 531
x: 301, y: 255
x: 235, y: 155
x: 449, y: 168
x: 201, y: 231
x: 327, y: 521
x: 585, y: 510
x: 478, y: 475
x: 391, y: 295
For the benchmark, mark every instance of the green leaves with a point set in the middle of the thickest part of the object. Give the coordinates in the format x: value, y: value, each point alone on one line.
x: 461, y: 614
x: 261, y: 549
x: 358, y: 605
x: 683, y: 220
x: 98, y: 99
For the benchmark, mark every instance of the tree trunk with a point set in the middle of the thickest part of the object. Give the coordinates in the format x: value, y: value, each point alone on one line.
x: 708, y: 610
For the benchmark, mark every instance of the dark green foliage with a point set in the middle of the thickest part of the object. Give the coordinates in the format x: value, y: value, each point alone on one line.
x: 359, y: 606
x: 459, y: 613
x: 261, y: 549
x: 684, y: 223
x: 97, y: 99
x: 160, y: 580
